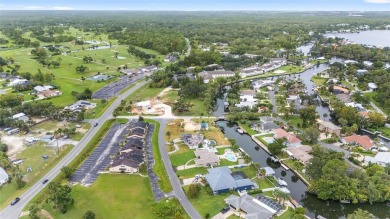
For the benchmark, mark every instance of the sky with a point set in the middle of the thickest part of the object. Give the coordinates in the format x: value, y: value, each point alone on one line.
x: 199, y: 5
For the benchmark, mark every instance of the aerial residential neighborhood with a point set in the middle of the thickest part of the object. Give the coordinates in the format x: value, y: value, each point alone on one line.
x: 204, y: 109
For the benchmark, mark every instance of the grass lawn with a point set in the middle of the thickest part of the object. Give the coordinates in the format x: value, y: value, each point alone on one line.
x: 290, y: 69
x: 385, y: 131
x: 32, y: 158
x: 293, y: 120
x: 159, y: 167
x: 99, y: 109
x: 131, y: 197
x: 198, y: 108
x: 224, y: 162
x: 182, y: 156
x: 170, y: 96
x: 144, y: 93
x: 174, y: 128
x: 214, y: 133
x: 288, y: 214
x: 247, y: 129
x: 318, y: 81
x: 188, y: 173
x: 264, y: 183
x: 208, y: 204
x: 295, y: 165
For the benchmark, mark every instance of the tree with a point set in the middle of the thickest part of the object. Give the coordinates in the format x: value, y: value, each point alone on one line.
x: 376, y: 119
x: 3, y: 147
x: 87, y: 59
x: 33, y: 211
x: 66, y: 171
x: 361, y: 214
x: 308, y: 115
x: 89, y: 215
x: 311, y: 135
x: 81, y: 68
x: 281, y: 196
x: 276, y: 147
x: 20, y: 183
x: 193, y: 191
x: 60, y: 196
x: 168, y: 133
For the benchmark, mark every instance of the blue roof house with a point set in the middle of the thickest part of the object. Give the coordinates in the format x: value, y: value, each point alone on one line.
x: 222, y: 179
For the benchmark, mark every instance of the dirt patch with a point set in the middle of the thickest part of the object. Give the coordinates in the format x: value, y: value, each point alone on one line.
x: 15, y: 144
x: 45, y: 214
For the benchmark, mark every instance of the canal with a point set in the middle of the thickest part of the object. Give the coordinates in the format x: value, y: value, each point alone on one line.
x: 313, y: 205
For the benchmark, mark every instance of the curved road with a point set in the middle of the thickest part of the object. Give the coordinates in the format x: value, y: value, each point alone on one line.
x: 13, y: 212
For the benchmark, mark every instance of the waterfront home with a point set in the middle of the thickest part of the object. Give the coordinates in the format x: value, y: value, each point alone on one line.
x: 291, y: 139
x: 339, y: 90
x: 265, y: 124
x: 300, y: 153
x: 350, y: 62
x: 210, y: 75
x: 359, y: 140
x: 281, y: 61
x: 192, y: 140
x: 294, y: 101
x: 3, y: 176
x: 329, y: 127
x: 260, y: 207
x: 372, y: 86
x: 345, y: 98
x: 222, y: 180
x: 206, y: 158
x: 262, y: 83
x: 247, y: 98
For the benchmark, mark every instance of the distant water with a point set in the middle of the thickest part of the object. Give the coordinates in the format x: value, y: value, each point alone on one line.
x: 380, y: 38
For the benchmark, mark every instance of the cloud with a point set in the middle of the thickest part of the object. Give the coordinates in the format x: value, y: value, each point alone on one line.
x: 378, y: 1
x: 33, y: 7
x: 62, y: 8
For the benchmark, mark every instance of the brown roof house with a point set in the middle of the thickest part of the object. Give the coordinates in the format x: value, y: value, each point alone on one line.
x: 329, y: 127
x: 206, y: 158
x: 291, y: 140
x: 300, y: 153
x: 359, y: 140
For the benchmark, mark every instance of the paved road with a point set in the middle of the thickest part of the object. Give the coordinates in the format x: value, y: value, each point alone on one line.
x: 188, y: 52
x: 177, y: 189
x: 13, y: 212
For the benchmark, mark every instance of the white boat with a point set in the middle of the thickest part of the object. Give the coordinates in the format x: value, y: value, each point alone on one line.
x: 240, y: 131
x: 281, y: 182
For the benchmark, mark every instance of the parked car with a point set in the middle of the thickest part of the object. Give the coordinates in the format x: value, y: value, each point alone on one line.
x: 16, y: 200
x: 96, y: 124
x: 225, y: 209
x: 45, y: 181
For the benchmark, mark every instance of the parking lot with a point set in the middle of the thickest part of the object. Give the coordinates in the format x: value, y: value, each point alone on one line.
x: 112, y: 89
x: 99, y: 160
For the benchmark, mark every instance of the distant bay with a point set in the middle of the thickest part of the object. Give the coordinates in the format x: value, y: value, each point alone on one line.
x: 378, y: 38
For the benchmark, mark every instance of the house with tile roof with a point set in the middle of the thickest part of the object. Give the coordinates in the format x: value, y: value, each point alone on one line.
x: 359, y: 140
x: 291, y: 139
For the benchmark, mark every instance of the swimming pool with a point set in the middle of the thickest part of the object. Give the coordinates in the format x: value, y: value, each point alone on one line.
x: 230, y: 157
x: 269, y: 140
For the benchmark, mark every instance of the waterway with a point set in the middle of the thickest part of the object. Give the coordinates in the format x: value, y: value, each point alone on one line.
x: 313, y: 205
x: 379, y: 38
x: 305, y: 49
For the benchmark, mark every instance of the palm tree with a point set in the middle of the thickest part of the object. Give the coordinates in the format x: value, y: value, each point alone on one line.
x: 281, y: 196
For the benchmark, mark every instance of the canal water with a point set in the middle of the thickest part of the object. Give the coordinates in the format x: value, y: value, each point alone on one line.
x: 313, y: 205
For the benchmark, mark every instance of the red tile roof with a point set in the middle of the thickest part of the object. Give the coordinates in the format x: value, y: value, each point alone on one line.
x: 362, y: 140
x: 281, y: 133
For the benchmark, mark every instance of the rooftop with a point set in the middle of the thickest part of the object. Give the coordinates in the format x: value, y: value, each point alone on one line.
x: 362, y: 140
x: 281, y: 133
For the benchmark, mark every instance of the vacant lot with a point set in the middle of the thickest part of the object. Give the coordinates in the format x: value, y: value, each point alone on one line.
x: 129, y: 199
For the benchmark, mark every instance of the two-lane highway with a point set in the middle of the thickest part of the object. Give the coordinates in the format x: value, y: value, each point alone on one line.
x: 13, y: 212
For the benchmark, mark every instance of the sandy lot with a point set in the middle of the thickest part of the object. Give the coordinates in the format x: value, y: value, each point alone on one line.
x: 15, y: 144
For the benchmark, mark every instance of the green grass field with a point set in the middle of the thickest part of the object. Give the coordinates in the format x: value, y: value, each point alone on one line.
x: 32, y: 158
x: 290, y: 69
x: 188, y: 173
x: 288, y: 214
x: 207, y: 203
x: 182, y: 156
x: 129, y: 199
x: 318, y: 81
x: 247, y: 129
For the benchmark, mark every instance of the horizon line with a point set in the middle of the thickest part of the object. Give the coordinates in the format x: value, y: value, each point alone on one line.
x: 200, y: 10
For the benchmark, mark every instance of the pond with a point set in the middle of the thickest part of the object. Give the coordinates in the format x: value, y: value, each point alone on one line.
x: 313, y: 205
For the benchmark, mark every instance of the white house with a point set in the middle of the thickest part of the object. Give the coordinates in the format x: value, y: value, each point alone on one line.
x: 17, y: 81
x: 367, y: 63
x: 20, y: 116
x: 381, y: 158
x: 3, y: 176
x: 372, y: 86
x: 281, y: 61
